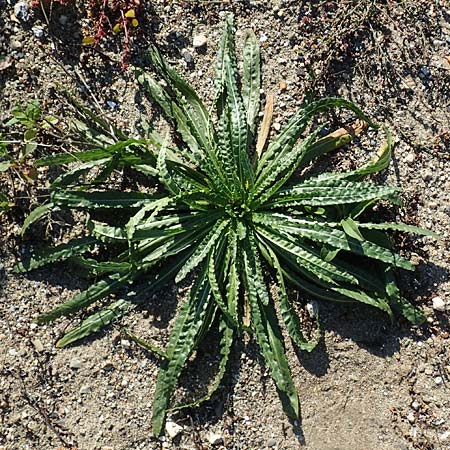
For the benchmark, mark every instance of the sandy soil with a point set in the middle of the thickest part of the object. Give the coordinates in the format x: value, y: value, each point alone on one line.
x: 370, y: 385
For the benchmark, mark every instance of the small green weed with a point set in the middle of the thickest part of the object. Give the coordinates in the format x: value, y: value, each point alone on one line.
x: 237, y: 217
x: 22, y: 130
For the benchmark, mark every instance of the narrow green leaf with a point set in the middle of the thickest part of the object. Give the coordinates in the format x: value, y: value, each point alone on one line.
x: 150, y: 347
x: 37, y: 214
x: 251, y: 80
x: 203, y: 249
x: 59, y: 253
x: 82, y: 300
x: 181, y: 344
x: 350, y: 228
x: 96, y: 322
x: 270, y: 341
x: 290, y: 318
x: 101, y: 199
x: 226, y: 342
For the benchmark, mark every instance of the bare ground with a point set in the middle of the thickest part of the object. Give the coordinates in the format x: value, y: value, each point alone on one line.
x: 370, y: 384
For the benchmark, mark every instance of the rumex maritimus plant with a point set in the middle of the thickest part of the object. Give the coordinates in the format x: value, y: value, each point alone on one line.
x: 237, y: 220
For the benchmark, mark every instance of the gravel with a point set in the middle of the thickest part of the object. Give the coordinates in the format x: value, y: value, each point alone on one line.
x: 369, y: 385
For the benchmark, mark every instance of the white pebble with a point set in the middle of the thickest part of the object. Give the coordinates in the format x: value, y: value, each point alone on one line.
x: 173, y: 429
x: 38, y: 32
x: 439, y: 304
x: 438, y: 380
x: 199, y: 40
x: 410, y: 157
x: 214, y: 438
x: 21, y: 11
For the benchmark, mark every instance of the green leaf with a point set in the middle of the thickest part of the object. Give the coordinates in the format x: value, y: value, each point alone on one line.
x: 101, y: 199
x: 290, y: 318
x: 270, y: 341
x: 350, y: 228
x: 398, y: 227
x: 95, y: 292
x: 30, y: 134
x: 5, y: 165
x: 226, y: 342
x: 150, y: 347
x: 202, y: 249
x: 181, y: 344
x: 289, y: 135
x: 37, y: 214
x: 96, y: 322
x: 4, y: 202
x: 59, y: 253
x: 251, y: 80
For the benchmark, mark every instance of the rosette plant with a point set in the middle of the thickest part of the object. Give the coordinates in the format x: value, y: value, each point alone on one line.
x: 240, y: 223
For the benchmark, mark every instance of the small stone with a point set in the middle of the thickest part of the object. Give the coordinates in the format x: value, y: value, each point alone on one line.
x: 262, y: 38
x: 85, y: 389
x: 38, y: 32
x: 38, y: 345
x: 173, y: 429
x: 415, y: 405
x: 427, y: 175
x: 199, y: 41
x: 312, y: 308
x: 15, y: 44
x: 439, y: 304
x: 276, y: 126
x: 188, y: 58
x: 75, y: 363
x: 111, y: 104
x: 125, y: 343
x: 271, y: 443
x: 21, y: 11
x: 411, y: 418
x: 438, y: 380
x: 215, y: 439
x: 283, y: 86
x: 444, y: 436
x: 410, y: 157
x: 424, y: 72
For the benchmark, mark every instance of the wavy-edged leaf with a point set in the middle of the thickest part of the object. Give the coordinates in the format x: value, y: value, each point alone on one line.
x: 101, y: 267
x: 340, y: 193
x: 106, y: 233
x: 289, y: 135
x: 283, y: 168
x: 100, y: 199
x: 203, y: 248
x: 58, y: 253
x: 251, y: 78
x: 290, y: 317
x: 325, y: 234
x: 400, y: 304
x: 226, y: 342
x: 96, y: 322
x: 306, y: 257
x: 398, y: 227
x: 215, y: 286
x: 182, y: 342
x: 270, y: 341
x: 37, y: 214
x: 187, y: 99
x: 85, y: 298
